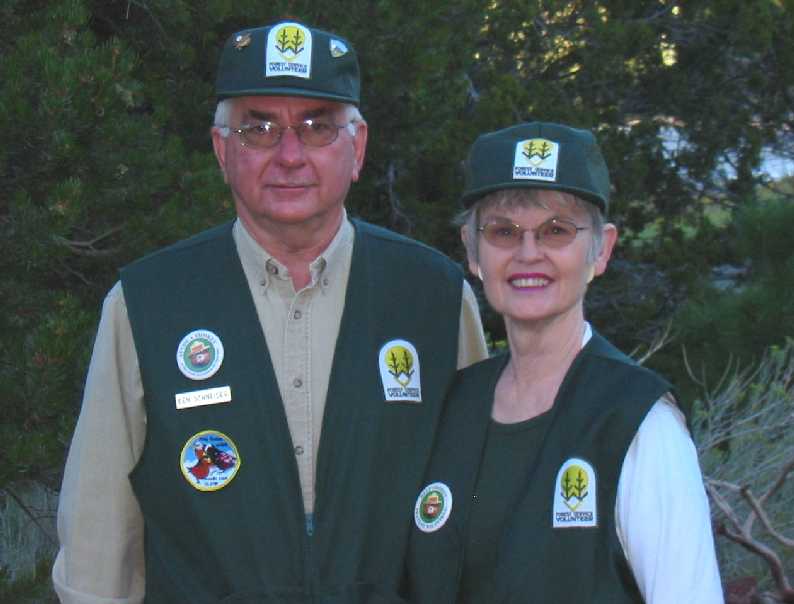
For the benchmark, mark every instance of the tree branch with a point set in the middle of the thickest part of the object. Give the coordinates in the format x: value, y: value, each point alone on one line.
x: 86, y: 248
x: 757, y: 504
x: 29, y: 513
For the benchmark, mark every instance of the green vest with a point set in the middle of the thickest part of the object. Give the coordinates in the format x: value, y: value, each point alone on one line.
x: 248, y: 540
x: 600, y: 405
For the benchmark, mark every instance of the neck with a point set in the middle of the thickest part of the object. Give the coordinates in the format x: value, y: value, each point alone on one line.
x: 295, y: 246
x: 537, y: 348
x: 540, y: 356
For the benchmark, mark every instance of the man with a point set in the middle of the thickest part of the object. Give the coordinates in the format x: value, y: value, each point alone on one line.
x: 217, y: 461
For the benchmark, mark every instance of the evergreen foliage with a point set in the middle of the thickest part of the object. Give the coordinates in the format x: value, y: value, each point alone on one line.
x: 723, y: 327
x: 105, y: 107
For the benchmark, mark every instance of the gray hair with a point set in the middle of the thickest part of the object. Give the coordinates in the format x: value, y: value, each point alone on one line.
x: 223, y: 114
x: 511, y: 198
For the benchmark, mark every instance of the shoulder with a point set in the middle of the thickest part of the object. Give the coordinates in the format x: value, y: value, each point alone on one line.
x: 484, y: 372
x: 399, y: 242
x: 185, y: 246
x: 611, y: 364
x: 469, y: 402
x: 664, y: 423
x: 601, y: 348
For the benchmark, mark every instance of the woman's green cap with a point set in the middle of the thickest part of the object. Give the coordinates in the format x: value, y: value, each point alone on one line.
x: 288, y: 59
x: 537, y: 155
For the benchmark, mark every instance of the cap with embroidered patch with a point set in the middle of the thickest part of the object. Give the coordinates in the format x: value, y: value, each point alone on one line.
x: 537, y: 155
x: 288, y: 59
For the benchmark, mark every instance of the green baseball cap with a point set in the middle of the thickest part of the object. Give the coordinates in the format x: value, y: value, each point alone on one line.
x: 288, y: 59
x: 537, y: 155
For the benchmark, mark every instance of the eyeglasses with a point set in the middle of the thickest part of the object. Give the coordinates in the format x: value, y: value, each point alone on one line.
x: 554, y: 233
x: 311, y: 132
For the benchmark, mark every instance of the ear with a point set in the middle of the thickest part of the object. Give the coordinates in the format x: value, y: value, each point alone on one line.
x: 219, y: 146
x: 473, y: 264
x: 608, y: 241
x: 359, y: 149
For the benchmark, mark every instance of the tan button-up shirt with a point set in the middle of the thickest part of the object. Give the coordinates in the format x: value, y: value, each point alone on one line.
x: 300, y: 329
x: 100, y: 525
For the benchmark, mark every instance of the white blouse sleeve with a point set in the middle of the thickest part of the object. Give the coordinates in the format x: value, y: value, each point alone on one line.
x: 662, y: 513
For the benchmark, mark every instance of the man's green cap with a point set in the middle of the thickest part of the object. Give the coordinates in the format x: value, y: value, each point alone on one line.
x: 288, y: 59
x: 537, y: 155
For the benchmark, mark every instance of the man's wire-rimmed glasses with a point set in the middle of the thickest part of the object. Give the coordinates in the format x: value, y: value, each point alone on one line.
x: 314, y: 132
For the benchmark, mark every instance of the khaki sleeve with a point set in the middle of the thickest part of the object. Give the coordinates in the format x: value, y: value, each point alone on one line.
x: 471, y: 338
x: 100, y: 526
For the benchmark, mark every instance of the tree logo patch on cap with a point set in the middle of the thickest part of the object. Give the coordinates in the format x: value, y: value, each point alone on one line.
x: 536, y: 159
x: 288, y: 51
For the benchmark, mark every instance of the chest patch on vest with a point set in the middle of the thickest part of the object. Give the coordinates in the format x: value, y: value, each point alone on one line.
x: 209, y: 460
x: 575, y: 495
x: 199, y: 354
x: 433, y: 507
x: 400, y: 372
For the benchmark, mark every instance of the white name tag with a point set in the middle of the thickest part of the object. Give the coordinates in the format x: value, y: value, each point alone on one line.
x: 197, y: 398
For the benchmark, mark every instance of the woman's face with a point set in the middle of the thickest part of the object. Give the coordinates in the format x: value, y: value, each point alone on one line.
x: 534, y: 281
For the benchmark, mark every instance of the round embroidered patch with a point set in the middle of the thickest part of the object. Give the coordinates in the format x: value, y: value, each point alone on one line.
x: 199, y: 354
x: 433, y: 507
x: 209, y: 460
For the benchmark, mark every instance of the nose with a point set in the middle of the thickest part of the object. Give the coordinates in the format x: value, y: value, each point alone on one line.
x: 529, y: 248
x: 290, y: 150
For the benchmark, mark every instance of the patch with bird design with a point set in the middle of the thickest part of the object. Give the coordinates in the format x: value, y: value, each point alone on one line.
x: 209, y: 460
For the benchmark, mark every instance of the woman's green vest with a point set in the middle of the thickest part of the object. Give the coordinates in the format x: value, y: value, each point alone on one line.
x: 248, y: 541
x: 600, y: 405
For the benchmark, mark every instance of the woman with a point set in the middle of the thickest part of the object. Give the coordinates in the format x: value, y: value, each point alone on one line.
x: 563, y: 471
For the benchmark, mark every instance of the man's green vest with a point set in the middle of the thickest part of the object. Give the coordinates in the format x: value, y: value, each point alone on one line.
x: 560, y: 543
x: 246, y: 538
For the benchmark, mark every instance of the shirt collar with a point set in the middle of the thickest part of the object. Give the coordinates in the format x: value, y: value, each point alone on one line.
x: 335, y: 259
x: 588, y: 333
x: 325, y: 268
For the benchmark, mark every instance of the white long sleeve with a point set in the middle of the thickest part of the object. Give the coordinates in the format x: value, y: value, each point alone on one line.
x: 662, y: 514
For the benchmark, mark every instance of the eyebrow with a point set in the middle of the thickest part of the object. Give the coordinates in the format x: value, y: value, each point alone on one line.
x: 505, y: 220
x: 271, y: 117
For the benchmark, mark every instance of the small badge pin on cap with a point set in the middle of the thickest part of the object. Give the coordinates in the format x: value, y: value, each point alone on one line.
x: 337, y: 48
x: 241, y: 41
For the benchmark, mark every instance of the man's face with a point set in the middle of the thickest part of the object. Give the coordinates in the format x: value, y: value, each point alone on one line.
x: 290, y: 184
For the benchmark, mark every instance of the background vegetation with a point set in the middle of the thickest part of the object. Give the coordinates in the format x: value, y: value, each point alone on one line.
x: 105, y: 107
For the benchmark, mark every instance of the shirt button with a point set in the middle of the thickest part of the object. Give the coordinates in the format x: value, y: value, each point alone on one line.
x: 298, y: 450
x: 297, y: 315
x: 297, y: 382
x: 325, y: 281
